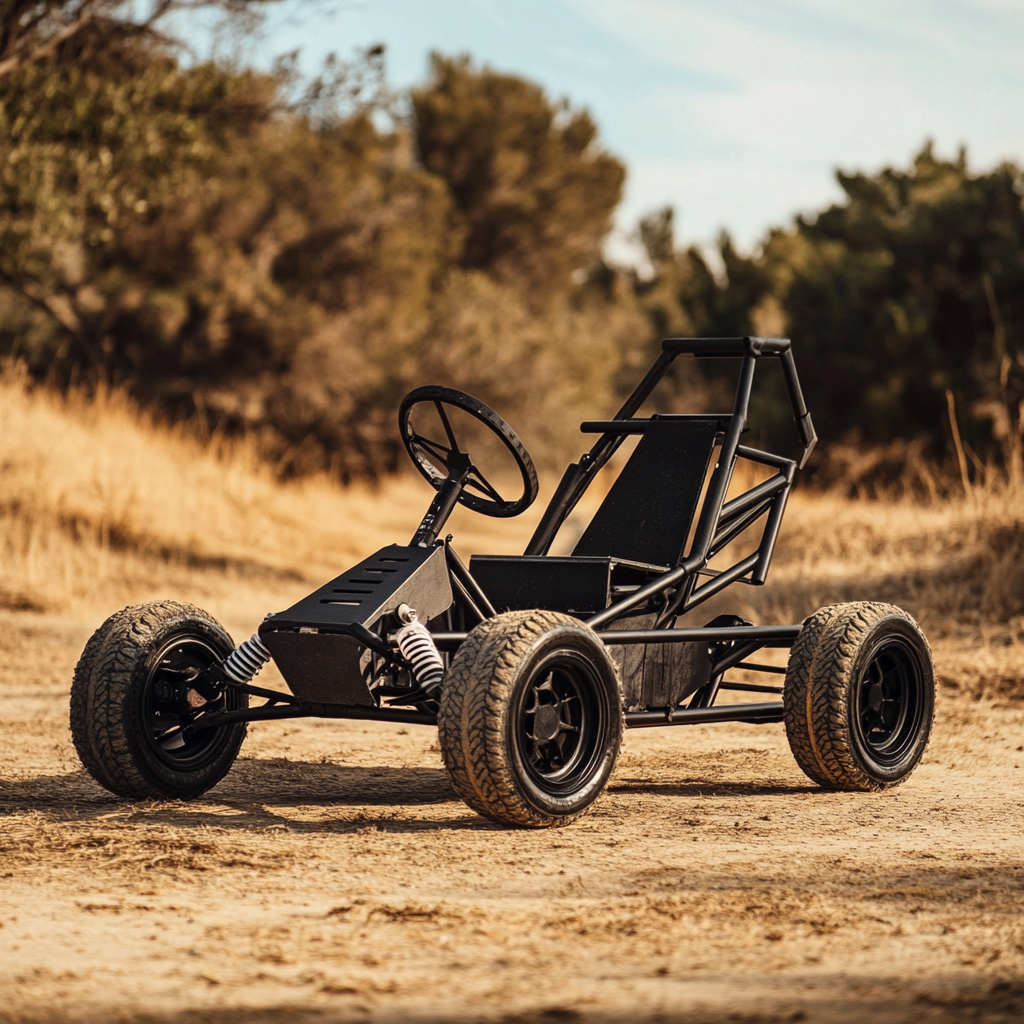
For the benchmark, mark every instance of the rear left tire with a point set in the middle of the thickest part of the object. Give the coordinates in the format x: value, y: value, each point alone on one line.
x: 859, y: 696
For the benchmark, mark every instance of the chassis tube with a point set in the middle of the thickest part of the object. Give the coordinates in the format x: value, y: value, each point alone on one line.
x: 467, y: 597
x: 726, y: 347
x: 750, y: 687
x: 733, y: 530
x: 448, y: 641
x: 306, y: 709
x: 718, y: 486
x: 735, y: 508
x: 771, y: 531
x: 638, y: 597
x: 764, y: 458
x: 709, y: 634
x: 753, y: 713
x: 705, y: 697
x: 804, y: 426
x: 771, y: 636
x: 473, y: 589
x: 720, y: 581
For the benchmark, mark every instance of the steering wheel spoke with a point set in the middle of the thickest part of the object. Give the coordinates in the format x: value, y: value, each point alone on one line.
x: 443, y: 416
x: 433, y: 448
x: 479, y: 482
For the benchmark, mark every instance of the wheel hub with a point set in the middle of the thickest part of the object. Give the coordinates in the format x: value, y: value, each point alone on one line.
x: 888, y: 705
x: 560, y: 724
x: 547, y: 723
x: 884, y: 694
x: 875, y: 698
x: 170, y: 703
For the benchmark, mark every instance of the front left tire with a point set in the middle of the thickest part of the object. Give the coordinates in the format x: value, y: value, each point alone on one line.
x: 530, y: 719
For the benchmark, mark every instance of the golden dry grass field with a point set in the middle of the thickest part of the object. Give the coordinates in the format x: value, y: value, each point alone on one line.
x: 334, y: 876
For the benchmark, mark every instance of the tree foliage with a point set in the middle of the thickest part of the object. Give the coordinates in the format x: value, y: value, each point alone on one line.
x: 279, y: 259
x: 905, y: 302
x: 288, y: 258
x: 912, y: 288
x: 533, y: 190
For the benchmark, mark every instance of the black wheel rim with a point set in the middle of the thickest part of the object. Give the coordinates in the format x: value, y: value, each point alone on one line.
x: 888, y: 709
x: 561, y: 724
x: 167, y: 711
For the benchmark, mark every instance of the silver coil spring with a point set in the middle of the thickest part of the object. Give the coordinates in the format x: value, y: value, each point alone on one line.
x: 418, y: 648
x: 246, y: 660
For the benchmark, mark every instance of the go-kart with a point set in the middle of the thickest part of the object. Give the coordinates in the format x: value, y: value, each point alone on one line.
x: 532, y: 665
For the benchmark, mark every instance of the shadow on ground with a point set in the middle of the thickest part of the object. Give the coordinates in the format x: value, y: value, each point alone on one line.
x: 995, y: 1003
x: 248, y: 798
x: 280, y: 782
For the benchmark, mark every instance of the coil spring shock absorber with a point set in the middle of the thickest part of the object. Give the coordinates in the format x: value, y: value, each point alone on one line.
x: 242, y: 664
x: 418, y: 648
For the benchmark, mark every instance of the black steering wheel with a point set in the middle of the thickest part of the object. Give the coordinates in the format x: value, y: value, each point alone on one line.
x: 441, y: 458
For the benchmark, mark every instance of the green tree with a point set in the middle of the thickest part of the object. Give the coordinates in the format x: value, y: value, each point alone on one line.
x: 89, y: 162
x: 534, y: 191
x: 100, y: 130
x: 911, y: 287
x: 907, y: 293
x: 277, y: 258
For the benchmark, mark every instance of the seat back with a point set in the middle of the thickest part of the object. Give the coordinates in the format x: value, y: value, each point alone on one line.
x: 647, y: 514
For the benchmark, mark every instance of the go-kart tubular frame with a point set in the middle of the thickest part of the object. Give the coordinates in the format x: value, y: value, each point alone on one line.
x: 675, y: 592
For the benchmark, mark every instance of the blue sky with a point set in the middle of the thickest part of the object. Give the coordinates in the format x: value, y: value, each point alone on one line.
x: 736, y: 112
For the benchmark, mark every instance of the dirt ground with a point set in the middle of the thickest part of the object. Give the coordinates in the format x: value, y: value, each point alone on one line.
x: 333, y: 876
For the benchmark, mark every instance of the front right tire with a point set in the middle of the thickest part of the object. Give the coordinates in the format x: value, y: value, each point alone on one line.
x: 131, y: 697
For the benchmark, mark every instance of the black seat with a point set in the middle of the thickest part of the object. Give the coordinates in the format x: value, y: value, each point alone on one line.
x: 647, y: 514
x: 640, y: 528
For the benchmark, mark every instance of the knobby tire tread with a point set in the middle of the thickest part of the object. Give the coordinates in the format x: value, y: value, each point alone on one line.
x: 472, y: 719
x: 818, y: 689
x: 82, y: 689
x: 100, y: 722
x: 798, y: 695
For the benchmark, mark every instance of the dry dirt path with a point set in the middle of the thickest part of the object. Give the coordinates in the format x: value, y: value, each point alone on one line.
x: 333, y: 876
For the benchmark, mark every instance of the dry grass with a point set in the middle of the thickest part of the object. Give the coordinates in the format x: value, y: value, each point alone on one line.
x: 958, y: 566
x: 99, y: 506
x: 957, y: 563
